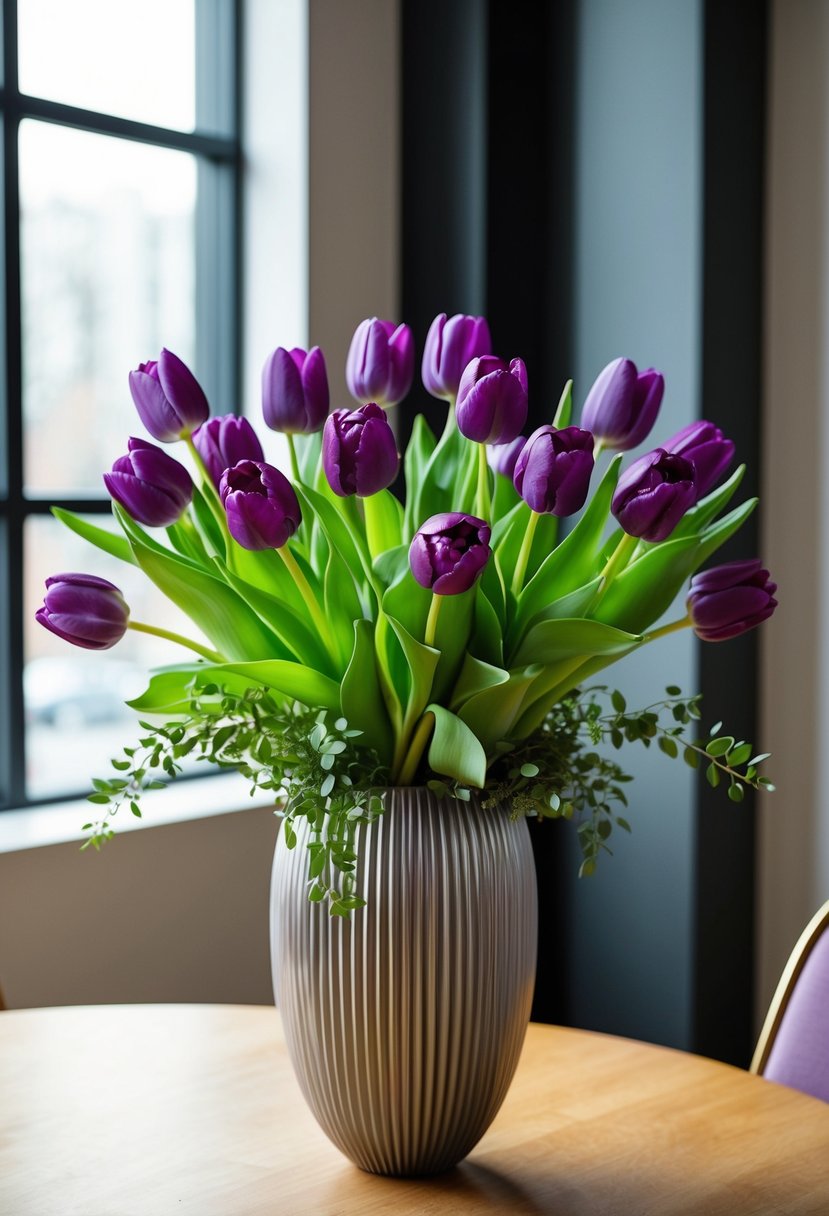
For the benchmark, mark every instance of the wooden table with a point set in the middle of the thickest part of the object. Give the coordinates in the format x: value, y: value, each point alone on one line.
x: 152, y: 1110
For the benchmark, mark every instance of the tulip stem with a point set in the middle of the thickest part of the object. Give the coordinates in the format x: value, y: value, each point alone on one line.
x: 308, y: 596
x: 417, y: 746
x: 482, y: 502
x: 432, y: 619
x: 292, y: 455
x: 524, y: 554
x: 449, y: 425
x: 666, y: 629
x: 598, y: 448
x: 206, y: 653
x: 617, y: 561
x: 210, y: 493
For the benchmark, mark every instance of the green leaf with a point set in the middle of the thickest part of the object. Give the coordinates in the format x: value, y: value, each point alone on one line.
x: 293, y: 680
x: 297, y: 640
x: 420, y: 448
x: 487, y: 641
x: 384, y: 522
x: 708, y: 508
x: 720, y: 746
x: 736, y: 792
x: 492, y: 713
x: 508, y: 535
x: 110, y: 542
x: 740, y: 755
x: 554, y: 640
x: 308, y: 450
x: 668, y: 746
x: 531, y: 610
x: 454, y: 750
x: 564, y: 410
x: 361, y: 696
x: 475, y: 677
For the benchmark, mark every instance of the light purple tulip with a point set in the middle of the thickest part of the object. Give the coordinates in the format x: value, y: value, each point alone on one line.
x: 85, y: 610
x: 730, y: 599
x: 224, y: 441
x: 622, y: 405
x: 168, y: 397
x: 492, y: 400
x: 295, y: 390
x: 380, y: 364
x: 151, y: 486
x: 502, y: 456
x: 450, y: 345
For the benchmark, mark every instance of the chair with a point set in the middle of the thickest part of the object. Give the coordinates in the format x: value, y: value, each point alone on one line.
x: 793, y: 1048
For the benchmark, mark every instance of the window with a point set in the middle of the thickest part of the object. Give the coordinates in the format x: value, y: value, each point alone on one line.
x: 121, y: 167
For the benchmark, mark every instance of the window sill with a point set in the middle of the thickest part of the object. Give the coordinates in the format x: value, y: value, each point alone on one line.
x: 60, y: 823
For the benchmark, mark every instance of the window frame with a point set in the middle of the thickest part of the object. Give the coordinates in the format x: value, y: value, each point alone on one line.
x: 218, y: 310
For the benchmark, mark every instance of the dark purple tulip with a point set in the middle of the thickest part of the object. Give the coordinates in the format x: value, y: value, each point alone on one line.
x: 222, y: 442
x: 708, y: 450
x: 502, y: 456
x: 654, y: 494
x: 295, y: 390
x: 168, y: 397
x: 552, y: 474
x: 449, y: 552
x: 84, y: 610
x: 730, y: 599
x: 150, y: 486
x: 262, y: 508
x: 450, y: 345
x: 492, y: 400
x: 359, y: 451
x: 622, y: 405
x: 380, y: 363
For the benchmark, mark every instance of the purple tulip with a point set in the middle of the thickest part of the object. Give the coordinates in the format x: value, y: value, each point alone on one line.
x: 359, y: 451
x: 502, y: 456
x: 168, y: 397
x: 295, y: 390
x: 450, y: 345
x: 708, y: 450
x: 449, y: 552
x: 552, y: 474
x: 492, y: 400
x: 654, y: 494
x: 380, y: 363
x: 730, y: 599
x: 84, y: 610
x: 262, y: 508
x: 150, y: 486
x: 224, y: 441
x: 622, y: 405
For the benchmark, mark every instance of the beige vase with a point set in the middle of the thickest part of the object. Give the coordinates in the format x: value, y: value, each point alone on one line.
x: 405, y: 1023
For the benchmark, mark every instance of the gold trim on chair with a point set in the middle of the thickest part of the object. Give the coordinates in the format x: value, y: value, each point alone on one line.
x: 791, y: 973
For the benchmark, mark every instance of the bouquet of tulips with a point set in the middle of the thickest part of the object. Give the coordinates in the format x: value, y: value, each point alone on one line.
x: 361, y: 636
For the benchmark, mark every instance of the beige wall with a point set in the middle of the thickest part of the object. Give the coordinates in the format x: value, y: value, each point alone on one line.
x: 794, y: 823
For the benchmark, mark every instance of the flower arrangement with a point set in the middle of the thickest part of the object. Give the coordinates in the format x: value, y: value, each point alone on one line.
x: 448, y: 636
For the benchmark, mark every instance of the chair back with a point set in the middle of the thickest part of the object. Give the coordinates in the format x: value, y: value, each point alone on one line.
x: 793, y: 1048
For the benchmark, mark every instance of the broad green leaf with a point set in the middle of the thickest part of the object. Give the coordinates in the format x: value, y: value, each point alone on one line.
x: 342, y: 531
x: 491, y: 713
x: 422, y: 663
x: 299, y: 640
x: 213, y: 537
x: 111, y: 542
x: 475, y: 676
x: 308, y: 451
x: 342, y: 604
x: 572, y: 605
x: 708, y: 508
x: 169, y: 691
x: 391, y: 566
x: 505, y: 497
x: 361, y: 697
x: 439, y: 479
x: 293, y: 680
x: 409, y: 603
x: 384, y: 522
x: 553, y: 640
x: 221, y: 614
x: 454, y: 750
x: 420, y: 448
x: 564, y: 410
x: 487, y: 640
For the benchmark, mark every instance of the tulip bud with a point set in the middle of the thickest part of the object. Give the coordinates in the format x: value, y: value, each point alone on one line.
x: 552, y: 474
x: 380, y: 363
x: 450, y: 346
x: 492, y: 400
x: 708, y: 451
x: 168, y: 397
x: 654, y: 494
x: 151, y: 487
x: 222, y: 442
x: 730, y: 600
x: 295, y: 390
x: 622, y: 405
x: 359, y: 451
x: 502, y: 456
x: 449, y: 552
x: 84, y: 610
x: 262, y: 508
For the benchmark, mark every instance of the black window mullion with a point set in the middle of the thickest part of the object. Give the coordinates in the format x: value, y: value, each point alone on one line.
x: 12, y: 749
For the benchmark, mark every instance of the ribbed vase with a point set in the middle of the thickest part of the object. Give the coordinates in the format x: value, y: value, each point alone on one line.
x: 405, y: 1023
